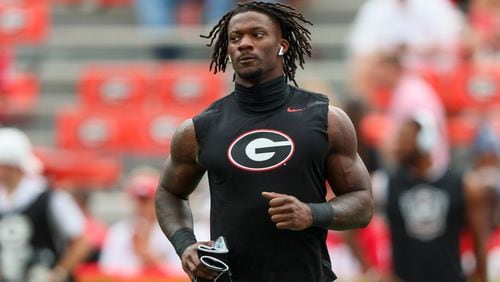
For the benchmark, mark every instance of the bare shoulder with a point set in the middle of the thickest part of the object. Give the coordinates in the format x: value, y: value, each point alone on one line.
x: 338, y: 116
x: 341, y: 132
x: 184, y: 146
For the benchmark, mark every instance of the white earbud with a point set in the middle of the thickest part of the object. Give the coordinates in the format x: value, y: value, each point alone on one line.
x: 281, y: 52
x: 229, y: 59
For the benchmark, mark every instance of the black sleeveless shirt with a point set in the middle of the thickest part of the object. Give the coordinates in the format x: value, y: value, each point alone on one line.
x: 425, y: 219
x: 271, y: 137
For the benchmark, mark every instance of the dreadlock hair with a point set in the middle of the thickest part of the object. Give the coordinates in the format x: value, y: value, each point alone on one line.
x: 290, y: 23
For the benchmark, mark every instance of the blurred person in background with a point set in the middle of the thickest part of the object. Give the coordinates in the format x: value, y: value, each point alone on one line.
x: 484, y: 176
x: 95, y: 229
x: 400, y: 92
x: 426, y: 34
x: 485, y: 170
x: 41, y: 229
x: 357, y: 109
x: 483, y: 36
x: 427, y: 210
x: 136, y: 244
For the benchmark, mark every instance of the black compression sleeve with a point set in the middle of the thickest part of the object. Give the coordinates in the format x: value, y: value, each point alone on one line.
x: 322, y: 214
x: 182, y: 239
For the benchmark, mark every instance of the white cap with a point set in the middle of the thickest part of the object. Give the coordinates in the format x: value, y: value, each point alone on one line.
x: 16, y: 150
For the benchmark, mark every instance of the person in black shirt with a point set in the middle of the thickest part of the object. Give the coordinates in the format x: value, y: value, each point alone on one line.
x: 41, y: 228
x: 269, y: 148
x: 428, y: 208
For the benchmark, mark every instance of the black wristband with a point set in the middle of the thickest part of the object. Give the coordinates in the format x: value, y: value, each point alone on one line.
x: 182, y: 239
x: 322, y: 214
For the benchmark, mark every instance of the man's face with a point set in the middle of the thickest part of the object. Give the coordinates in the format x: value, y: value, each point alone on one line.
x: 254, y: 42
x: 145, y: 207
x: 385, y: 74
x: 8, y: 173
x: 406, y: 145
x: 489, y: 159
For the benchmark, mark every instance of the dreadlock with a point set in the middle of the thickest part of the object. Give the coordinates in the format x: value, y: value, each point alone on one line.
x: 290, y: 23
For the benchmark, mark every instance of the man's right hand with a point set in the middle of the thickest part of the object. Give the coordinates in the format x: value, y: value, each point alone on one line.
x: 192, y: 264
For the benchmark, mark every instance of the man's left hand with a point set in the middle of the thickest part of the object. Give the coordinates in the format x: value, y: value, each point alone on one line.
x: 288, y: 212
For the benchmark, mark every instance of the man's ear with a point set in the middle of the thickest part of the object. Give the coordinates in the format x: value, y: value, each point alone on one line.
x: 281, y: 52
x: 283, y: 47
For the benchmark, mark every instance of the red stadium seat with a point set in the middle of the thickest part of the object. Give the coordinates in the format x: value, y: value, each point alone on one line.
x: 23, y: 23
x: 21, y: 94
x: 439, y: 82
x: 79, y: 169
x: 146, y: 132
x: 462, y: 129
x: 187, y: 86
x: 471, y: 87
x: 113, y: 86
x: 93, y: 130
x: 153, y: 133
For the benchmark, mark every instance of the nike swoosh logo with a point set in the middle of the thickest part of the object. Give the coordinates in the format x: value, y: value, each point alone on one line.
x: 293, y: 110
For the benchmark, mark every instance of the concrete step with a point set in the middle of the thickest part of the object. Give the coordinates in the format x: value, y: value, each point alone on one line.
x: 50, y: 103
x: 39, y: 136
x: 54, y: 72
x: 32, y: 58
x: 317, y: 11
x: 116, y: 36
x: 63, y: 15
x: 333, y: 12
x: 329, y: 5
x: 99, y: 205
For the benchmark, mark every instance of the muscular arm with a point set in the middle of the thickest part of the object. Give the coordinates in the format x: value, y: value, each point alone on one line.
x: 474, y: 193
x: 180, y: 177
x: 68, y: 221
x: 77, y: 250
x: 353, y: 205
x: 347, y: 175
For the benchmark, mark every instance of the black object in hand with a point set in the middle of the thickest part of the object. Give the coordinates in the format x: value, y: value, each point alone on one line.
x: 215, y: 258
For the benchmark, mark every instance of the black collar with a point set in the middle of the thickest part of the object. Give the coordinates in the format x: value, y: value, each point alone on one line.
x: 263, y: 97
